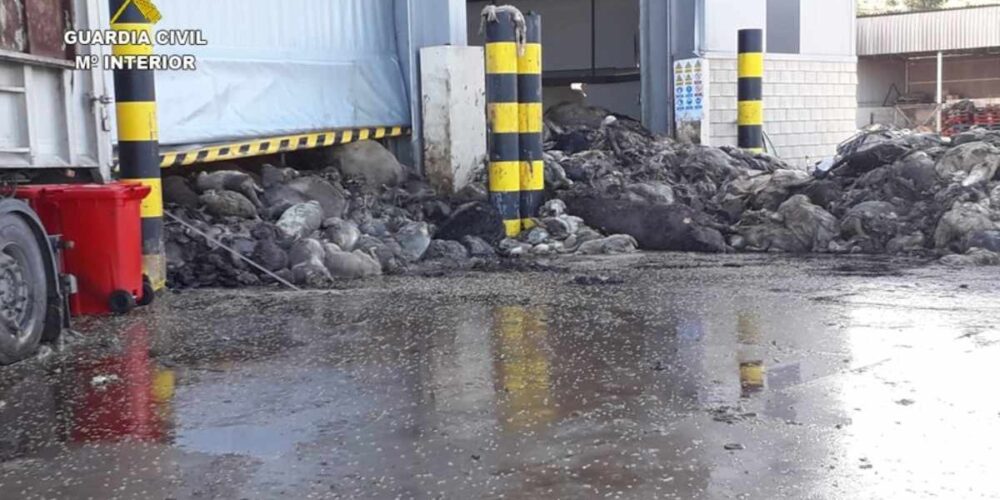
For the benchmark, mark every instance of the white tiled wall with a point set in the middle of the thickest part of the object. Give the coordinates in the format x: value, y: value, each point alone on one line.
x: 810, y: 106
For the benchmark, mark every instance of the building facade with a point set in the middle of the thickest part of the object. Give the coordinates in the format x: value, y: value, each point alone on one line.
x: 623, y: 52
x: 899, y: 75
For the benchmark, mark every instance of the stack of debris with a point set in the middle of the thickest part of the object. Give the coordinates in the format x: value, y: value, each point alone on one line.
x: 612, y: 187
x: 888, y: 191
x: 359, y: 214
x: 965, y: 115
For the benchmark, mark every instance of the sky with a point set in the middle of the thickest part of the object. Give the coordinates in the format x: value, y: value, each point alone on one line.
x: 866, y: 6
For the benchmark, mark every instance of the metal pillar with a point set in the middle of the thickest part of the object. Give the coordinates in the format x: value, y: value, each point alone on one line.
x: 138, y: 138
x: 656, y: 18
x: 503, y: 120
x: 529, y: 95
x: 940, y: 89
x: 751, y: 90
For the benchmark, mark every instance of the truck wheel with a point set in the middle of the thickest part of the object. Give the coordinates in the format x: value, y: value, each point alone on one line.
x: 23, y: 290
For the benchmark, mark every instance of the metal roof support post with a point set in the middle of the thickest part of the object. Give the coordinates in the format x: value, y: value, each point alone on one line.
x: 419, y: 24
x: 656, y: 64
x: 940, y: 88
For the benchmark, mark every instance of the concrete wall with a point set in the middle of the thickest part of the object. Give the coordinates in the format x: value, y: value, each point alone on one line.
x: 810, y: 104
x: 810, y: 98
x: 453, y: 86
x: 876, y: 76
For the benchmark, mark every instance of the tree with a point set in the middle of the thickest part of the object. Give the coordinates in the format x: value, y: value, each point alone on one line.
x: 919, y: 4
x: 925, y: 4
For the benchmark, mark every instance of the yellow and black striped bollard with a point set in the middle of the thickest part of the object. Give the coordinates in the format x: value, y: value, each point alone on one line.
x: 503, y: 122
x: 138, y: 138
x: 751, y: 90
x: 529, y: 94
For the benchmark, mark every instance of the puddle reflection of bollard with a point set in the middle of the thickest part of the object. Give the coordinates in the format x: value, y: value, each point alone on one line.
x: 752, y: 371
x: 523, y: 368
x: 751, y: 377
x: 124, y: 396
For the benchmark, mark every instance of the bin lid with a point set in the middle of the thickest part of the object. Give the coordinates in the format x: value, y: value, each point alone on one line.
x: 114, y: 190
x: 28, y: 192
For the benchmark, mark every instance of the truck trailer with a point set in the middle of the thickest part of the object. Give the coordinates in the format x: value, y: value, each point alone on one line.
x: 55, y: 126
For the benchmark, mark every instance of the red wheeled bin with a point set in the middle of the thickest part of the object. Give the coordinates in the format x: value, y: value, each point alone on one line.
x: 101, y: 226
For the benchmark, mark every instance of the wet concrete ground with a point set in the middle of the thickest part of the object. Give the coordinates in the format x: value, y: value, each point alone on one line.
x: 656, y: 376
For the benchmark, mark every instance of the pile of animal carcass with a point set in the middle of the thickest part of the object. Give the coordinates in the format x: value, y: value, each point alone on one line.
x: 350, y: 212
x: 887, y: 192
x: 355, y: 211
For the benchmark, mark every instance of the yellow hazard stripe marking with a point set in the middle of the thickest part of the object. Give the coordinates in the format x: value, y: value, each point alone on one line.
x: 505, y: 176
x: 752, y: 374
x: 504, y: 117
x: 137, y: 121
x: 754, y: 150
x: 155, y: 266
x: 512, y: 227
x: 751, y: 65
x: 501, y: 58
x: 530, y: 118
x: 751, y: 113
x: 114, y: 18
x: 273, y: 145
x: 146, y: 8
x: 149, y: 11
x: 133, y: 50
x: 152, y: 204
x: 532, y: 175
x: 531, y: 62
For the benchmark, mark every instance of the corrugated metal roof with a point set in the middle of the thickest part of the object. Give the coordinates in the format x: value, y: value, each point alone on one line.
x: 933, y: 31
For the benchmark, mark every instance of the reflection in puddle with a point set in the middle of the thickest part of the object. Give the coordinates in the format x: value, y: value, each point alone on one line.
x: 122, y: 397
x: 684, y: 394
x: 523, y: 367
x: 752, y: 370
x: 751, y: 377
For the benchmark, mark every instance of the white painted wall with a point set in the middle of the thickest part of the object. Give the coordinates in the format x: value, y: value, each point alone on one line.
x: 810, y: 104
x: 724, y: 18
x: 828, y: 27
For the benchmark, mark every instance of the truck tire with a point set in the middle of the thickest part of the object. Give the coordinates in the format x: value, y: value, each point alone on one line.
x: 23, y: 289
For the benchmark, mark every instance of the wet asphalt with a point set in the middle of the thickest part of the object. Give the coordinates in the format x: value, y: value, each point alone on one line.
x: 650, y: 376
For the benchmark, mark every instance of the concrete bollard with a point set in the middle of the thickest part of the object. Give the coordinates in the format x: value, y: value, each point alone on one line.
x: 138, y: 137
x: 750, y: 119
x: 503, y: 118
x: 530, y: 110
